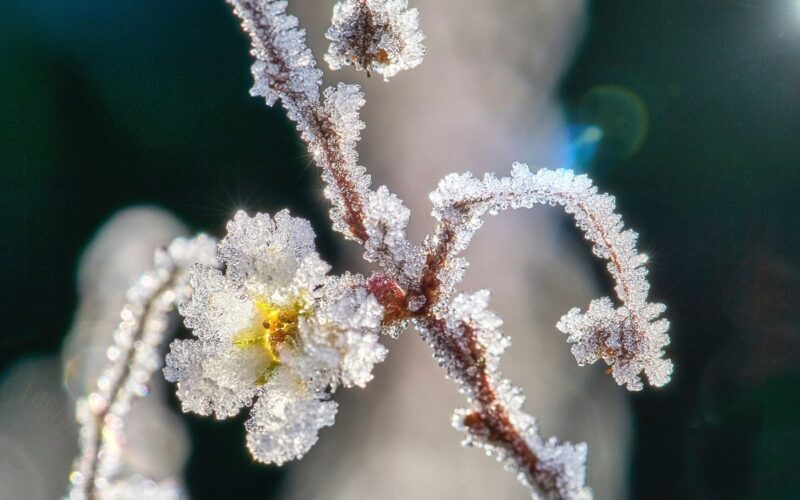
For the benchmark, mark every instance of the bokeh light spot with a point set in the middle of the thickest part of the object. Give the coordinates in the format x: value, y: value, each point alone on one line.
x: 621, y: 116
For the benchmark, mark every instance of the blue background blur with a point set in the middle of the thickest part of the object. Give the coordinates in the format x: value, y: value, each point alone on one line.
x: 106, y: 104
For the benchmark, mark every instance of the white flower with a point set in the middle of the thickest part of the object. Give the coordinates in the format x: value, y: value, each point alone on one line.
x: 375, y: 35
x: 275, y: 328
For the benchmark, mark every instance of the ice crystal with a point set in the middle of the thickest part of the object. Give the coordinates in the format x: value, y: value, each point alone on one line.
x: 375, y: 35
x: 285, y: 68
x: 386, y: 219
x: 332, y: 143
x: 629, y: 338
x: 275, y: 328
x: 468, y: 342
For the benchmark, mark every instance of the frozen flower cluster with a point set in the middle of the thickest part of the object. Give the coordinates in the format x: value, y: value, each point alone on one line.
x: 375, y: 35
x: 274, y: 328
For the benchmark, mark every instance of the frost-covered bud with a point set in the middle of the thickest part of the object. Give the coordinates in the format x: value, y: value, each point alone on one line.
x: 375, y: 35
x: 613, y: 335
x: 273, y: 327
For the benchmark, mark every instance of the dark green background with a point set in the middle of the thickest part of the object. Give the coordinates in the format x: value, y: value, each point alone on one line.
x: 106, y: 104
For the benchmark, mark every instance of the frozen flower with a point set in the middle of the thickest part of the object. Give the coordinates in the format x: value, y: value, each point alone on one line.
x: 274, y: 328
x: 375, y: 35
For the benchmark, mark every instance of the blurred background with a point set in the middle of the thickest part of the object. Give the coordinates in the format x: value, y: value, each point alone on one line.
x: 688, y: 111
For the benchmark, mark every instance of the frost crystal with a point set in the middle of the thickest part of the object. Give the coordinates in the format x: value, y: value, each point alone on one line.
x: 386, y: 219
x: 285, y: 68
x: 468, y: 343
x: 630, y: 338
x: 375, y: 35
x: 275, y: 328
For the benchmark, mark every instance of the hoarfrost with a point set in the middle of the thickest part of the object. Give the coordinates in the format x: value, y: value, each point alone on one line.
x: 375, y: 35
x: 275, y: 329
x: 468, y: 345
x: 630, y: 338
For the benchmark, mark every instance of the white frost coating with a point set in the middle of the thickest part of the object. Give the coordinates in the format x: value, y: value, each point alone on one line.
x: 333, y: 146
x: 561, y: 467
x: 609, y: 333
x: 630, y: 338
x: 375, y: 35
x: 472, y: 309
x: 275, y: 328
x: 348, y: 323
x: 285, y: 68
x: 341, y: 107
x: 286, y: 419
x: 132, y: 359
x: 386, y: 219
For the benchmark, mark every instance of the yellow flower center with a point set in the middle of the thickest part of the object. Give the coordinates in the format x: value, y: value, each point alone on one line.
x: 274, y: 325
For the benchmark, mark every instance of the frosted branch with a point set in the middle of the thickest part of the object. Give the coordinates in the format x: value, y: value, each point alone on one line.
x: 419, y: 283
x: 285, y: 69
x: 467, y: 342
x: 629, y: 338
x: 132, y: 359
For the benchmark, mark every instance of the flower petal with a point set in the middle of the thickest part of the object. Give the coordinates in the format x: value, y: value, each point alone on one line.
x: 266, y: 250
x: 211, y: 379
x: 286, y: 420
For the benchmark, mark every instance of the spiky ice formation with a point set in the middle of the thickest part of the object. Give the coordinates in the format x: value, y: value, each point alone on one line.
x: 386, y: 219
x: 276, y: 329
x: 629, y: 338
x: 132, y: 358
x: 467, y: 340
x: 285, y: 69
x: 332, y: 142
x: 375, y: 35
